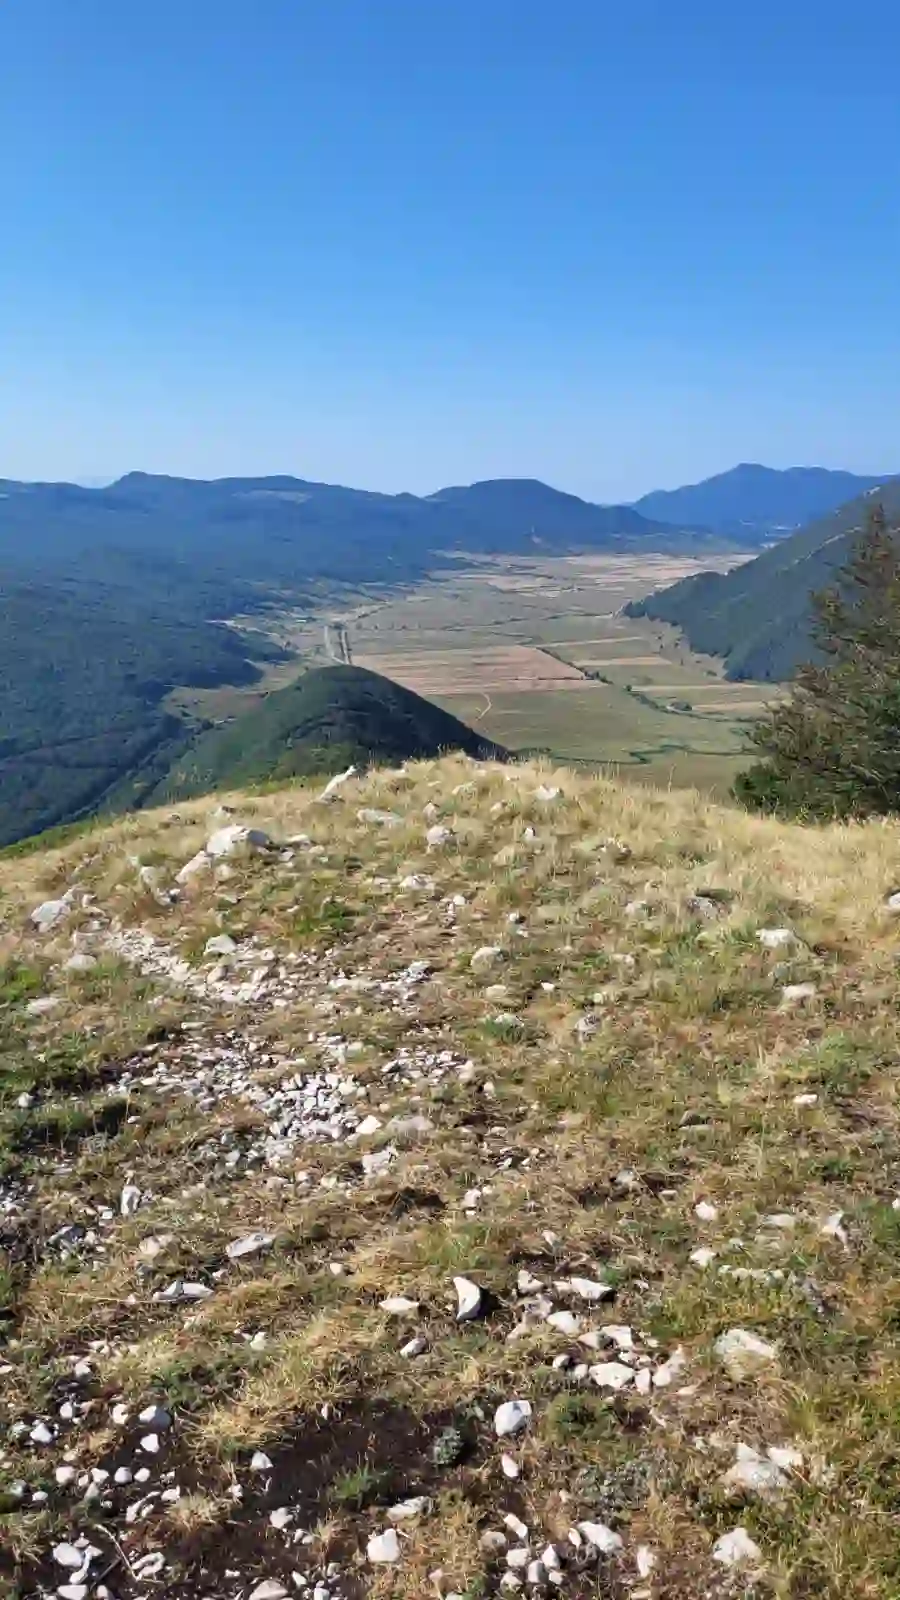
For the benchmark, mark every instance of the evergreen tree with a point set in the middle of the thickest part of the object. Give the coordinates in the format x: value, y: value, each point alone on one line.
x: 833, y: 748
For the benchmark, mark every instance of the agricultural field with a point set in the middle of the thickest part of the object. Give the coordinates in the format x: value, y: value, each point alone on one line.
x: 477, y: 669
x: 536, y: 654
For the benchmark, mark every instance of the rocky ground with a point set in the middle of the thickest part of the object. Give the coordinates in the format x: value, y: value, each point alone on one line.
x: 480, y: 1181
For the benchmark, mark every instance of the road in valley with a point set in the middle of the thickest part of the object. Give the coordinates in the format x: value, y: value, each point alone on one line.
x: 337, y: 645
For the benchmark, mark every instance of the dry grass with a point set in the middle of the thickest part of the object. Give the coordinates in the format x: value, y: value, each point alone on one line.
x: 685, y: 1070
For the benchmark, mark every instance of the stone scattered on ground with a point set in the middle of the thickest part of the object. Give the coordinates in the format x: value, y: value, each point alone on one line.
x: 384, y: 1548
x: 511, y: 1418
x: 227, y: 841
x: 756, y: 1473
x: 347, y: 1103
x: 252, y: 1244
x: 469, y: 1298
x: 337, y: 782
x: 736, y: 1549
x: 380, y: 819
x: 744, y: 1354
x: 50, y: 913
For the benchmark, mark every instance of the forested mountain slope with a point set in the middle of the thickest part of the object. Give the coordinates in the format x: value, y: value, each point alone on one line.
x: 84, y: 672
x: 330, y: 718
x: 757, y: 616
x: 752, y: 499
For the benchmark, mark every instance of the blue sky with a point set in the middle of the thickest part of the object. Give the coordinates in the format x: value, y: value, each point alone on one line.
x: 404, y: 243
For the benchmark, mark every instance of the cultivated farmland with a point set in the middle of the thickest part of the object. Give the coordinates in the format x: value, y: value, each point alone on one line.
x: 536, y: 653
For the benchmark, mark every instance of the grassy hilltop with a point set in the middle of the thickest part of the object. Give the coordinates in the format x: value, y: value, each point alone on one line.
x: 328, y: 719
x: 501, y: 1024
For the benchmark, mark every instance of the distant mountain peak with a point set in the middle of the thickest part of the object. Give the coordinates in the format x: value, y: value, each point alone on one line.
x: 771, y: 500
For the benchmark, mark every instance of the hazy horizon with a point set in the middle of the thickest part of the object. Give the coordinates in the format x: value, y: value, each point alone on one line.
x: 104, y: 480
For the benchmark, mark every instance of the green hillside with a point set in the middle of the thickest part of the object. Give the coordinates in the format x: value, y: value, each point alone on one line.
x: 84, y: 674
x: 757, y: 616
x: 326, y: 720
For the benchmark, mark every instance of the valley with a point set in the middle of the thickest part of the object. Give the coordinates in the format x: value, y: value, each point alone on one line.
x: 534, y: 652
x: 502, y: 602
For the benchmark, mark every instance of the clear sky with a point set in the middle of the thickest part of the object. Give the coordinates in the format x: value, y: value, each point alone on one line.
x: 405, y: 243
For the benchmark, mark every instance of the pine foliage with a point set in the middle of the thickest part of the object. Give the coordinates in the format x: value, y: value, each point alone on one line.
x: 833, y: 748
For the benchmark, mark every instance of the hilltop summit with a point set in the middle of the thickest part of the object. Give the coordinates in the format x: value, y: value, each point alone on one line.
x: 482, y: 1171
x: 328, y: 718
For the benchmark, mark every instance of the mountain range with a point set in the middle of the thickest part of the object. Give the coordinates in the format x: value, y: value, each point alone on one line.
x: 752, y: 501
x: 247, y: 532
x: 112, y: 596
x: 757, y: 616
x: 297, y: 529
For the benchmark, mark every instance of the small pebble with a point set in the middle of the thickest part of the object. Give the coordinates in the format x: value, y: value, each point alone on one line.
x: 383, y: 1548
x: 469, y: 1299
x: 511, y: 1417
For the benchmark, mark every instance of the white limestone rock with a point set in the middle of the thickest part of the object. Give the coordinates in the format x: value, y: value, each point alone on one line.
x: 470, y: 1299
x: 736, y: 1549
x: 670, y: 1370
x: 438, y: 836
x: 228, y: 841
x: 383, y: 1549
x: 337, y: 782
x: 511, y: 1418
x: 379, y: 819
x: 599, y: 1537
x: 199, y: 863
x: 51, y: 912
x: 777, y: 938
x: 252, y: 1244
x: 743, y: 1354
x: 754, y: 1473
x: 612, y: 1375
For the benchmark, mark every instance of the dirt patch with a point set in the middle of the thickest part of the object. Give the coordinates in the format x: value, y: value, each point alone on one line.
x: 340, y: 1470
x: 387, y: 1447
x: 66, y: 1128
x: 400, y: 1202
